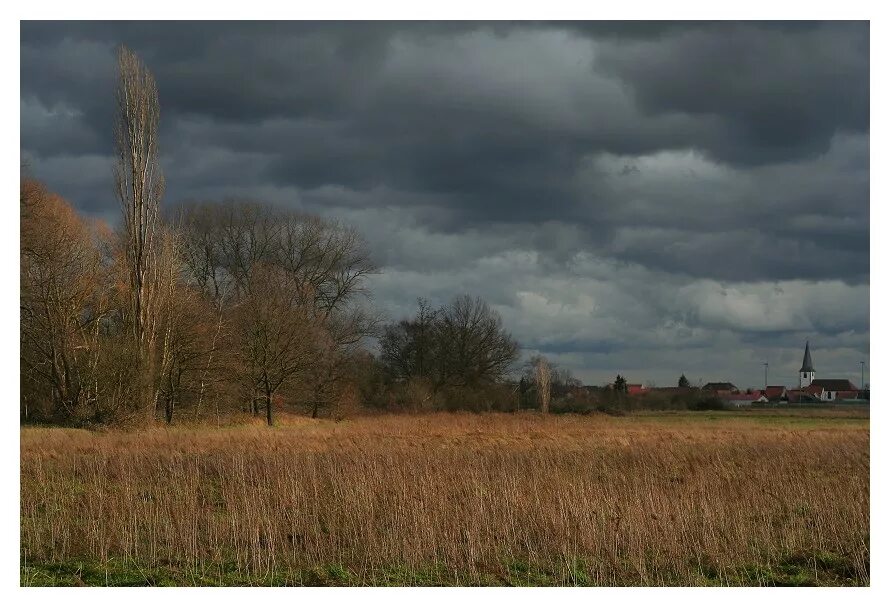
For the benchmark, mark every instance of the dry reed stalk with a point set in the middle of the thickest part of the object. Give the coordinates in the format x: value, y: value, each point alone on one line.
x: 588, y: 500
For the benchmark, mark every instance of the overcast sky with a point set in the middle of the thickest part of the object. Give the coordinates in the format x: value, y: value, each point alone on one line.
x: 649, y: 199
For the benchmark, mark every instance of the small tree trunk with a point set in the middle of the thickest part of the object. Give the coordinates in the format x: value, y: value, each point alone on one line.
x: 205, y: 370
x: 168, y: 410
x: 315, y: 409
x: 269, y: 408
x: 542, y: 378
x: 147, y: 392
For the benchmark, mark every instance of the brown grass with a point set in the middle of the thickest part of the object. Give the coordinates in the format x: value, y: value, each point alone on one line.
x: 460, y: 499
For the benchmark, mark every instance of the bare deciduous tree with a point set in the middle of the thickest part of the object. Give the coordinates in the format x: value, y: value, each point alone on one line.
x: 408, y: 346
x: 323, y: 263
x: 139, y: 187
x: 274, y: 333
x: 190, y: 337
x: 459, y: 345
x: 542, y: 371
x: 472, y: 346
x: 61, y: 302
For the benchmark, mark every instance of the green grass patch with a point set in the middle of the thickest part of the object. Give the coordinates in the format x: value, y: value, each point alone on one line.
x: 796, y: 569
x: 850, y: 417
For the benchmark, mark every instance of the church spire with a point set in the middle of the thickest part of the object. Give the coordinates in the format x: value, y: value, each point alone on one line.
x: 807, y: 371
x: 807, y: 366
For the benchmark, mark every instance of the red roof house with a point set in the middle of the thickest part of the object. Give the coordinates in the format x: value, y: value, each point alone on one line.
x: 775, y: 393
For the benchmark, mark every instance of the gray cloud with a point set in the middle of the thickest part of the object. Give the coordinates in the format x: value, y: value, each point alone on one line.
x: 631, y: 196
x: 780, y: 94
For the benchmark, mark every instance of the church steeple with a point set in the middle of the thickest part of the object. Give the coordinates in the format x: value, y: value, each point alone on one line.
x: 807, y: 371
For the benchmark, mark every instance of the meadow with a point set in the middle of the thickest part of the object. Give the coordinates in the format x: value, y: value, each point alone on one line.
x: 676, y: 498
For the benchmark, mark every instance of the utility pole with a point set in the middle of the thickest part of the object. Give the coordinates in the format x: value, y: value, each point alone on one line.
x: 862, y: 375
x: 765, y: 376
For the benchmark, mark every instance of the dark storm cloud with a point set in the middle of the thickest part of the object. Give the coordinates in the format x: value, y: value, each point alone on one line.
x: 515, y: 160
x: 781, y: 94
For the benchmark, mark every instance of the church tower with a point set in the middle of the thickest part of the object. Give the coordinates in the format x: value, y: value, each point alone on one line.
x: 807, y: 372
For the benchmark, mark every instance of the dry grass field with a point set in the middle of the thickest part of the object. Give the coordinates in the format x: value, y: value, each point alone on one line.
x: 742, y: 498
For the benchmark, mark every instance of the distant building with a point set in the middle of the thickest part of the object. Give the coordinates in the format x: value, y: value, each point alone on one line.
x: 836, y: 389
x: 635, y: 389
x: 823, y: 389
x: 807, y: 371
x: 775, y: 393
x: 742, y: 400
x: 810, y: 394
x: 720, y: 387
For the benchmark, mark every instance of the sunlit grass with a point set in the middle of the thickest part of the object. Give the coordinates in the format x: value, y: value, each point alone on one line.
x: 684, y: 499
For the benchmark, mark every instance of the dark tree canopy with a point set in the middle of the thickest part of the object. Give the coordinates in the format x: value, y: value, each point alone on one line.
x: 407, y: 346
x: 462, y: 344
x: 620, y: 384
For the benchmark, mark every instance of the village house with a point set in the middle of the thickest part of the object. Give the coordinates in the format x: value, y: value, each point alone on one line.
x: 747, y: 399
x: 775, y: 394
x: 822, y: 389
x: 721, y: 389
x: 810, y: 394
x: 836, y: 389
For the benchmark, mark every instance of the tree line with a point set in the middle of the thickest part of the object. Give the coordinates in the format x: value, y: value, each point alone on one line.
x: 216, y: 306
